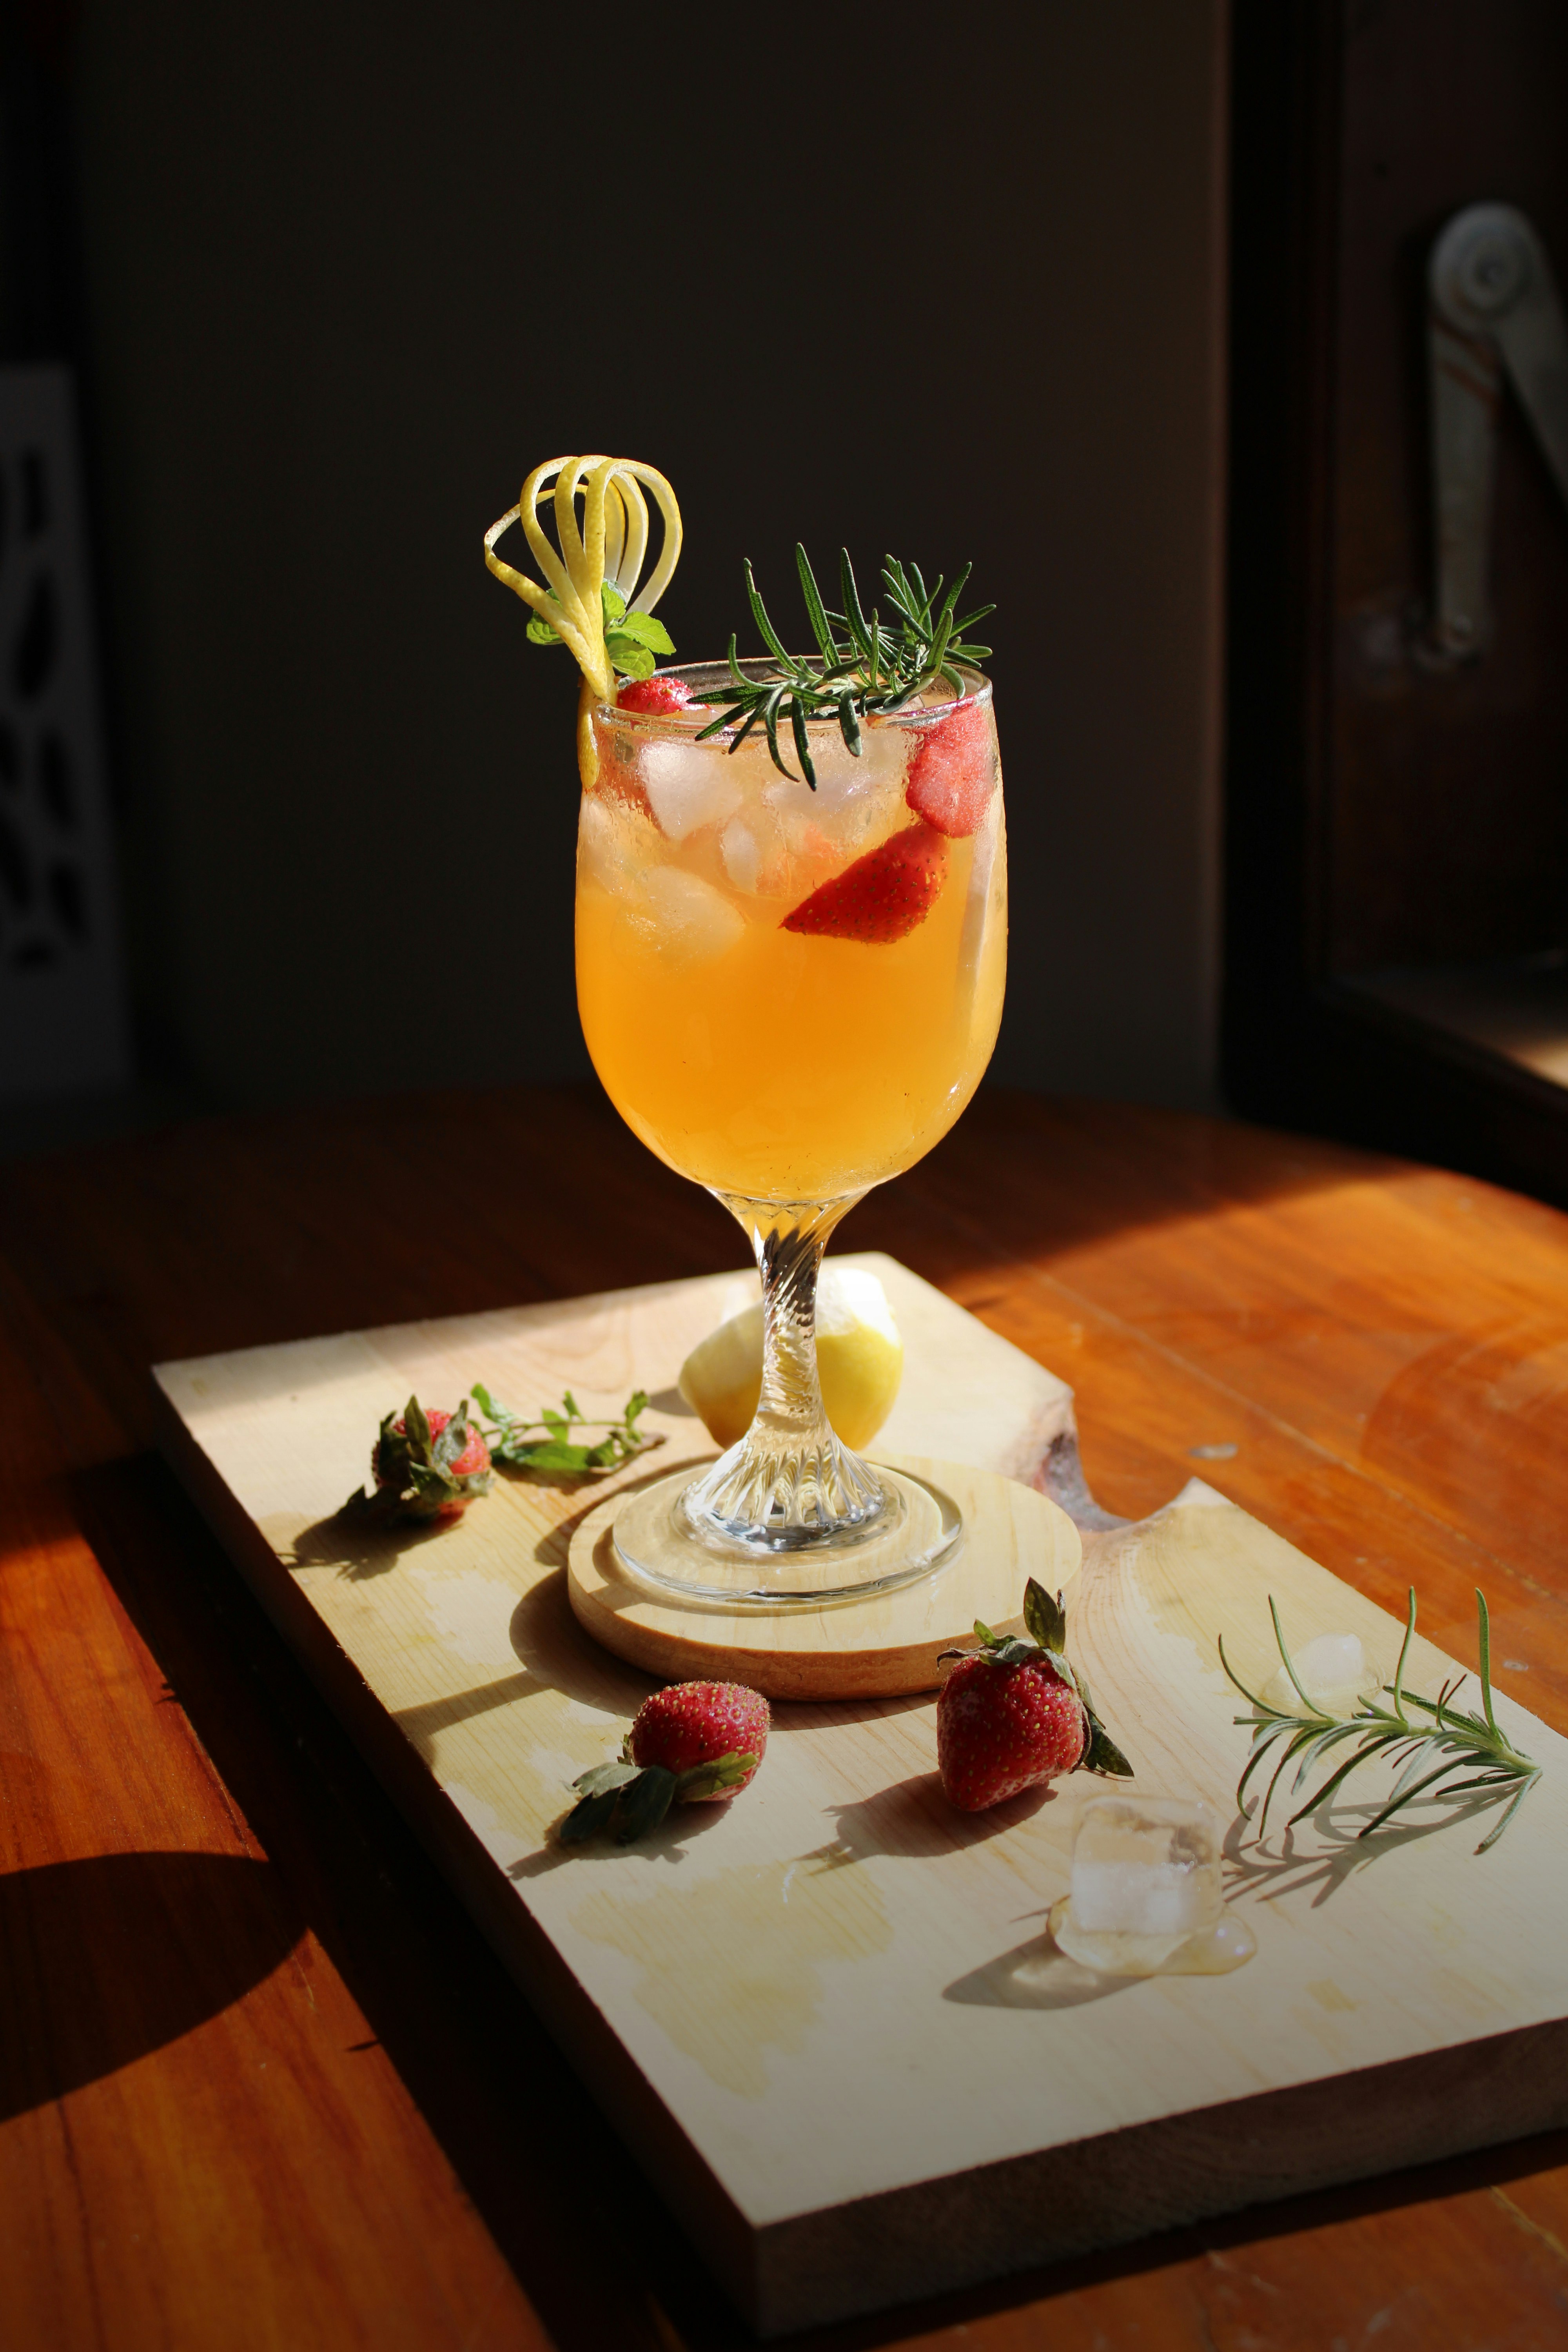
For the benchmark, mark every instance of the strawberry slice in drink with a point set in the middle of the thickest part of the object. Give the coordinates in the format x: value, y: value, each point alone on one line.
x: 951, y: 775
x: 883, y: 897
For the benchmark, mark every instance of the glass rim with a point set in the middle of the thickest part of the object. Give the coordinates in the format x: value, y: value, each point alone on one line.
x: 703, y: 674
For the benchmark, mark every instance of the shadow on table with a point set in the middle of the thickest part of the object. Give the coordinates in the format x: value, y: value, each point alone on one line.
x: 124, y: 1952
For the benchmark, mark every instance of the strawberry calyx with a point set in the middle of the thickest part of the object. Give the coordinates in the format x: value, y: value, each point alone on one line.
x: 425, y: 1465
x: 1046, y: 1643
x: 631, y: 1799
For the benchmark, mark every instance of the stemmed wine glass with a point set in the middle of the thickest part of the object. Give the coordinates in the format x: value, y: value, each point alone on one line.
x: 790, y: 995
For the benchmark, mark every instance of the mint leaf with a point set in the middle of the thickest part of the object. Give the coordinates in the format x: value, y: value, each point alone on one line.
x: 646, y: 629
x: 520, y: 1443
x: 630, y: 659
x: 548, y: 1454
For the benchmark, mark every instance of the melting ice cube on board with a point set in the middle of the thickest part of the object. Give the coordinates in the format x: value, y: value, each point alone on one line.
x: 1145, y: 1878
x: 1333, y: 1670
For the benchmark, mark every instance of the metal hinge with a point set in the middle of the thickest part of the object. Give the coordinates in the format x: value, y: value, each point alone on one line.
x: 1494, y: 306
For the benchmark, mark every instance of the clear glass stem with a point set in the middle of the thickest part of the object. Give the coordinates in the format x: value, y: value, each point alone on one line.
x: 789, y: 1484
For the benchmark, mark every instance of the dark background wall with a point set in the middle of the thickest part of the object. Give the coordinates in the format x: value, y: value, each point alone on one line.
x: 871, y: 274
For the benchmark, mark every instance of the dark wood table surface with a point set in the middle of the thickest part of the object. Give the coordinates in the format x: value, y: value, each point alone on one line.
x: 262, y: 2085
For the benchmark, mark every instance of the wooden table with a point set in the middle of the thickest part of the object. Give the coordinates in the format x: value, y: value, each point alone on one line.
x: 262, y: 2085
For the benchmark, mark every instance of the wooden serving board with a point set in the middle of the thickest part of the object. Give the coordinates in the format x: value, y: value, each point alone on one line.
x: 826, y: 2017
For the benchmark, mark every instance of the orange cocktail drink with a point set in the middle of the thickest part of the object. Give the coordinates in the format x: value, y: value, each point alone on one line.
x: 791, y: 941
x: 790, y: 994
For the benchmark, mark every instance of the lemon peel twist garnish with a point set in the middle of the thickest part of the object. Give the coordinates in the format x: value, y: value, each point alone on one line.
x: 611, y: 545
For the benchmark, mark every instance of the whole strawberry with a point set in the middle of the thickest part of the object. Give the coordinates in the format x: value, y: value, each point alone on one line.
x: 426, y: 1465
x: 655, y: 694
x: 1014, y: 1713
x: 693, y: 1744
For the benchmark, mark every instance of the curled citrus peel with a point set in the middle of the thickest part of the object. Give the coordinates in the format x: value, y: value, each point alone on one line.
x: 610, y: 546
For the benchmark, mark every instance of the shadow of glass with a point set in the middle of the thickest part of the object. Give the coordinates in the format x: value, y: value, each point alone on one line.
x: 555, y: 1650
x: 1036, y: 1975
x: 115, y: 1955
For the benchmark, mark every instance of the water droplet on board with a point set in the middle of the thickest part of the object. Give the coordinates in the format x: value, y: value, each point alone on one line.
x: 786, y: 1917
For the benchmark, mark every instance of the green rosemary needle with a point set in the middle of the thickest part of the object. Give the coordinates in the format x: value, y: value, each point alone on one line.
x: 1463, y: 1742
x: 865, y: 666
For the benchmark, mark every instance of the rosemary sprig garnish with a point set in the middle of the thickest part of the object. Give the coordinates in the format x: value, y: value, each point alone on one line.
x: 1461, y: 1741
x: 865, y: 666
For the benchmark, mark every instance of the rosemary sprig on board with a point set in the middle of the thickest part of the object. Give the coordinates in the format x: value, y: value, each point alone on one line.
x: 865, y: 665
x: 1461, y: 1741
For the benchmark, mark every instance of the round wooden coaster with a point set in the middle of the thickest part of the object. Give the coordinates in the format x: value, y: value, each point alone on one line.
x: 881, y: 1648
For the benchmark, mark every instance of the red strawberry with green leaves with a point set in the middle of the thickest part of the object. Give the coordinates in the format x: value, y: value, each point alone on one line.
x: 693, y: 1744
x: 882, y: 896
x: 1014, y: 1713
x: 656, y: 694
x: 425, y: 1465
x: 952, y: 773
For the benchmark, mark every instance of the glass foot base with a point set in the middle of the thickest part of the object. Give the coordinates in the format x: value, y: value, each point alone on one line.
x: 655, y: 1542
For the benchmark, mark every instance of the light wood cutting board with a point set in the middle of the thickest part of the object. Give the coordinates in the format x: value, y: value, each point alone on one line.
x: 825, y: 2017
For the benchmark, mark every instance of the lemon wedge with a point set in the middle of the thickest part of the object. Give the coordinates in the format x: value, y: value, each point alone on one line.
x: 609, y: 544
x: 859, y: 1361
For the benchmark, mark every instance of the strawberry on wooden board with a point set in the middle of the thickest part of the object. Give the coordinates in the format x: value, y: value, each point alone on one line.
x: 425, y: 1464
x: 1014, y: 1713
x: 882, y: 896
x: 952, y: 773
x: 693, y: 1744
